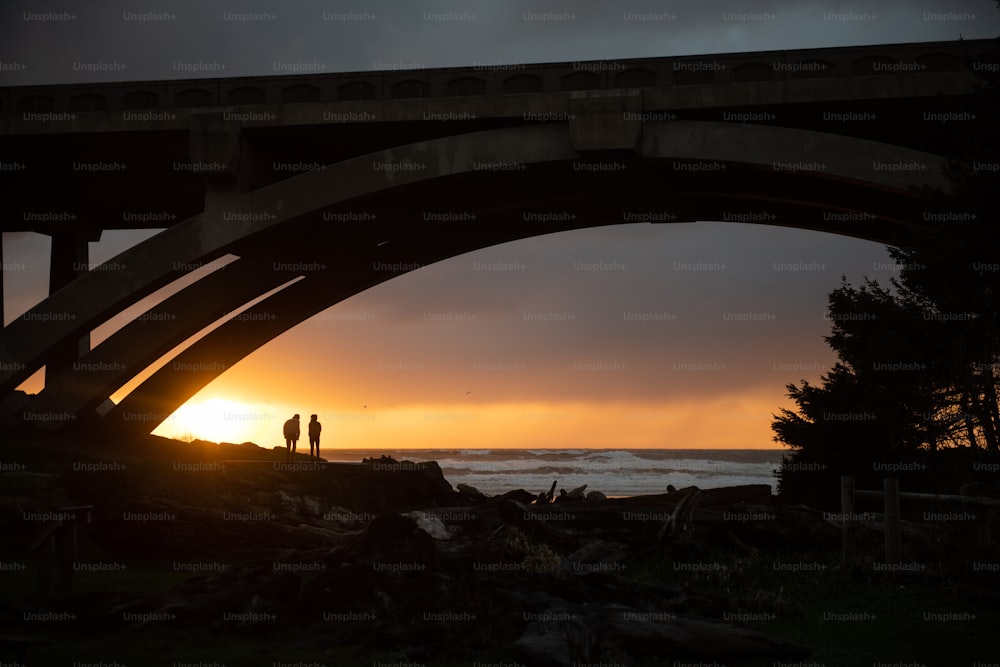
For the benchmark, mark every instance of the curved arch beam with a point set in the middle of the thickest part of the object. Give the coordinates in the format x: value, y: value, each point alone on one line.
x: 125, y: 354
x: 131, y: 349
x: 841, y: 157
x: 110, y: 365
x: 172, y: 385
x: 96, y: 296
x: 167, y: 389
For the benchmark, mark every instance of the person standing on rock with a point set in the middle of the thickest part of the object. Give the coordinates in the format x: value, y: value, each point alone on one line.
x: 291, y: 436
x: 315, y: 428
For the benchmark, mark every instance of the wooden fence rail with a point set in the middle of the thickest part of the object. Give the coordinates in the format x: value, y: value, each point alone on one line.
x: 892, y: 498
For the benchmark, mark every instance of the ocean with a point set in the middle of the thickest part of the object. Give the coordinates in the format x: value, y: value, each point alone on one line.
x: 614, y: 472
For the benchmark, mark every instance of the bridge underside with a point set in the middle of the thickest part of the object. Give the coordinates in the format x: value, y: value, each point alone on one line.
x: 322, y: 236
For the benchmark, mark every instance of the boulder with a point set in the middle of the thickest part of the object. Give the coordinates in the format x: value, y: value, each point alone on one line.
x: 576, y: 495
x: 431, y: 525
x: 747, y: 493
x: 468, y: 490
x: 397, y: 540
x: 520, y: 495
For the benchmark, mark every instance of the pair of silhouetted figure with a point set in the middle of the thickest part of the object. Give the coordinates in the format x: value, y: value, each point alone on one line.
x: 291, y: 432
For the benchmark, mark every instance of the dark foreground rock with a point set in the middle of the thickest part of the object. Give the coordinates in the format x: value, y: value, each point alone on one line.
x: 392, y: 588
x: 239, y: 508
x: 386, y: 557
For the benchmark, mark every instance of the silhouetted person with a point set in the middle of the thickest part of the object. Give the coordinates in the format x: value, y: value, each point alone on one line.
x: 291, y: 436
x: 314, y: 430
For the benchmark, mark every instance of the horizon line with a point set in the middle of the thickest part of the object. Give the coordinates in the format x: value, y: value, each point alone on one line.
x: 457, y: 449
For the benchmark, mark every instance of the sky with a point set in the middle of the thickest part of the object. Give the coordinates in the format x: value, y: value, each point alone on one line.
x: 647, y: 353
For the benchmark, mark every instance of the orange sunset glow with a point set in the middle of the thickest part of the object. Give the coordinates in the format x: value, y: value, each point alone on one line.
x: 728, y: 424
x: 651, y: 356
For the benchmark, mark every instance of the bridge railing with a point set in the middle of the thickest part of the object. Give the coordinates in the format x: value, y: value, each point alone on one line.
x: 392, y: 81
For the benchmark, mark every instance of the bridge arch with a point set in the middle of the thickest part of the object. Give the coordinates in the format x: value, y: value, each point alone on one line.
x: 466, y: 85
x: 356, y: 90
x: 88, y: 102
x: 35, y: 104
x: 140, y: 99
x: 300, y: 93
x: 193, y: 97
x: 410, y: 88
x: 553, y: 173
x: 246, y: 95
x: 580, y: 80
x: 523, y: 83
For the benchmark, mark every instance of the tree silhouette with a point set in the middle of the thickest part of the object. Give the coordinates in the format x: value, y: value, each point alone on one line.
x: 917, y: 360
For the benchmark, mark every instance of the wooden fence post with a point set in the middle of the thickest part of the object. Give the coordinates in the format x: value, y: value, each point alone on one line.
x: 47, y: 564
x: 893, y: 541
x: 66, y: 539
x: 847, y: 520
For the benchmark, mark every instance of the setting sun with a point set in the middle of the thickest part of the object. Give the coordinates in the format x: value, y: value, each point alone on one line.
x: 218, y: 419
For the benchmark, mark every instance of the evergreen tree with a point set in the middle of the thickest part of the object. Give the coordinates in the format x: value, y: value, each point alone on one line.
x: 917, y: 363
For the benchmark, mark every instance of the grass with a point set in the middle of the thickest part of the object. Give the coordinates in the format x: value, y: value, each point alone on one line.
x: 807, y: 608
x: 157, y: 646
x: 804, y: 605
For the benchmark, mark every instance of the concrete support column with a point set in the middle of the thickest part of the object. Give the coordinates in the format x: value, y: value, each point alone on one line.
x: 224, y: 154
x: 2, y: 283
x: 230, y: 162
x: 69, y: 258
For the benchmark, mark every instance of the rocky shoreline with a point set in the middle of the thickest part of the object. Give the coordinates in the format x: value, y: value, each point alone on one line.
x: 386, y: 558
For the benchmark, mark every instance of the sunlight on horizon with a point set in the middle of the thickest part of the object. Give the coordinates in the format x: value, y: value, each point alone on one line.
x: 727, y: 423
x: 216, y: 420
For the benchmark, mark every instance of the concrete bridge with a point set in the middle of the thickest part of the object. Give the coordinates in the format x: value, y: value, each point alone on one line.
x: 316, y: 187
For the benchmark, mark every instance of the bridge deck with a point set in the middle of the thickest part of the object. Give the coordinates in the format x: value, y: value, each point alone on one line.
x: 137, y: 136
x: 24, y: 108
